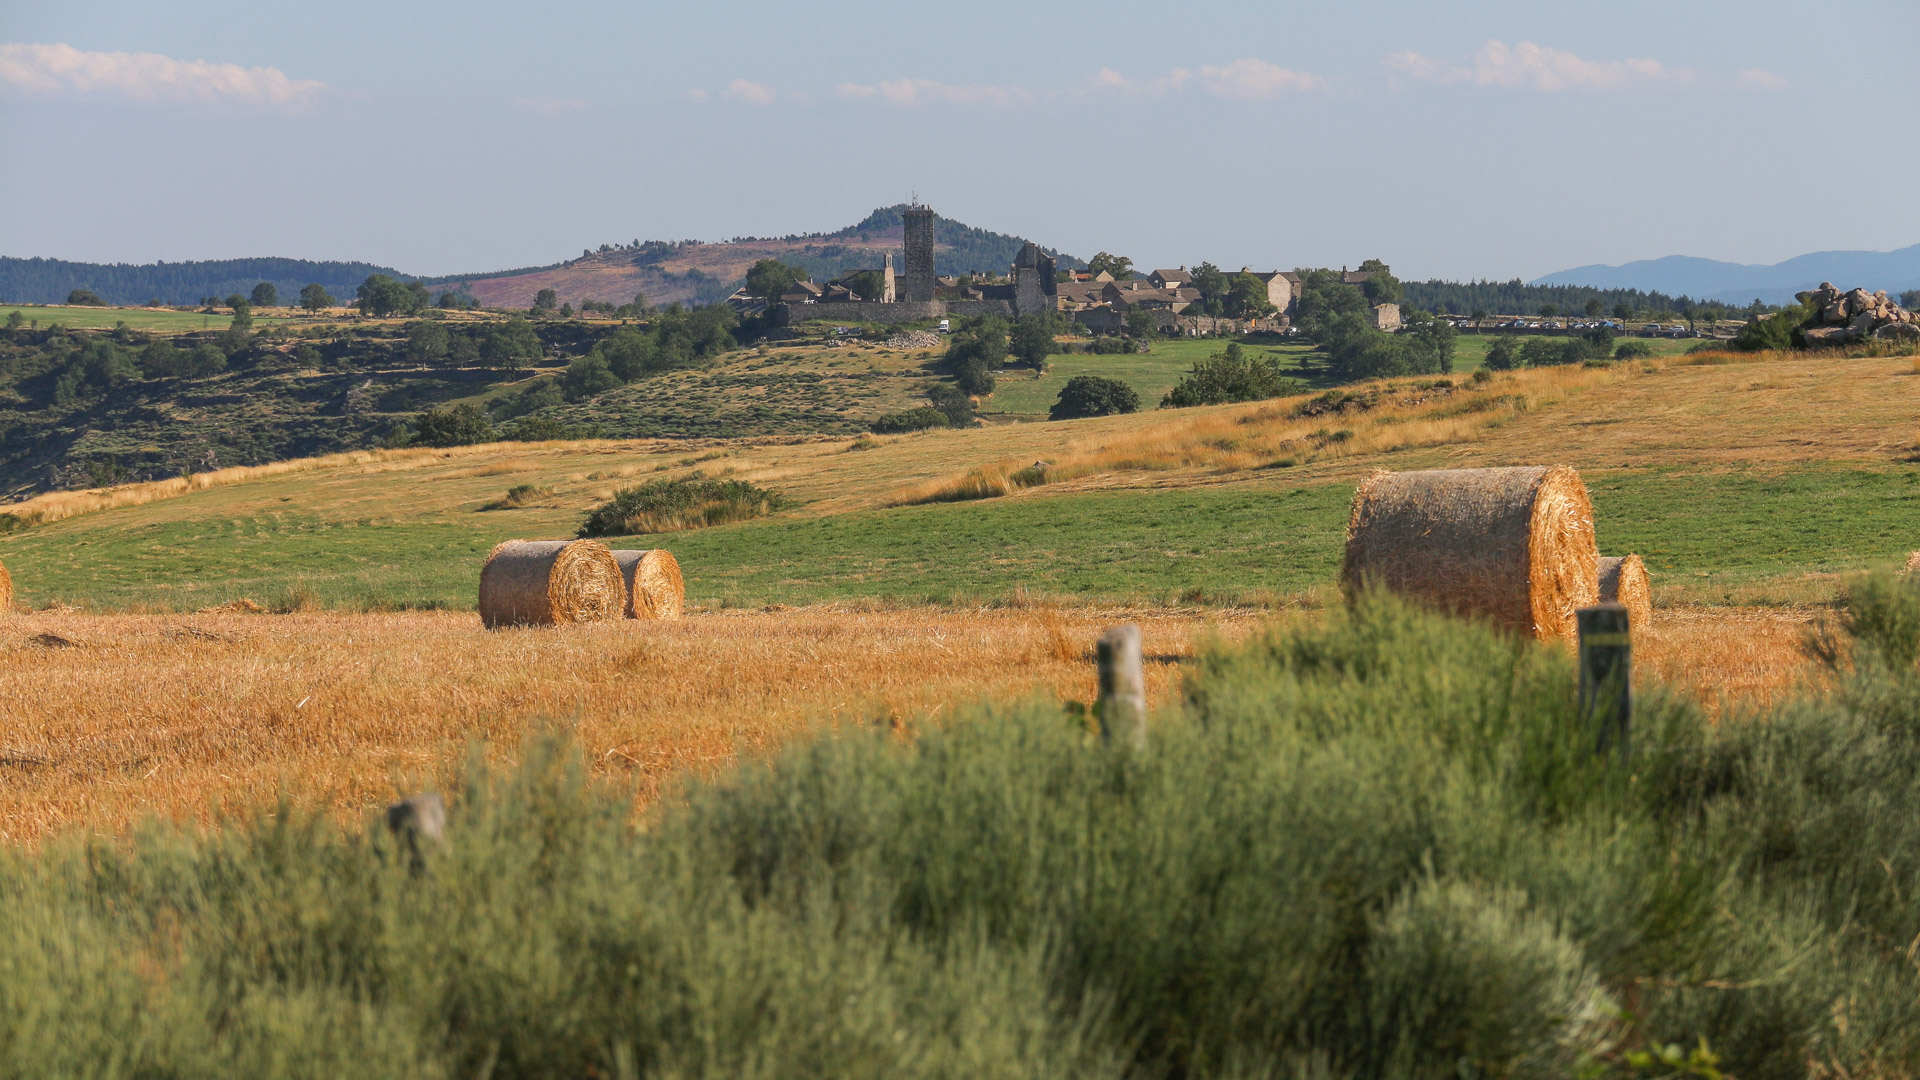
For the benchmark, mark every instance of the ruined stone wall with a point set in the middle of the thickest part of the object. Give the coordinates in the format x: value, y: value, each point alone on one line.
x: 866, y: 311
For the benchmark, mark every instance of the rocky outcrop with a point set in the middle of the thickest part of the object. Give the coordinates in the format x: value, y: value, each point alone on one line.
x: 1856, y: 315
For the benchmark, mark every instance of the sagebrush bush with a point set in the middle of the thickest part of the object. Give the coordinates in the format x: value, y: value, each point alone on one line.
x: 689, y: 502
x: 1384, y: 847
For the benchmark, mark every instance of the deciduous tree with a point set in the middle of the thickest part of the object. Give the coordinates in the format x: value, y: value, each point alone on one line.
x: 316, y: 298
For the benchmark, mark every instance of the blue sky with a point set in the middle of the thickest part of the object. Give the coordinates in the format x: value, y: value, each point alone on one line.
x: 1458, y: 140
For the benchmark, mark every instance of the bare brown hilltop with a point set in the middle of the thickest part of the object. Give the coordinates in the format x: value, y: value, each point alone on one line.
x: 692, y: 271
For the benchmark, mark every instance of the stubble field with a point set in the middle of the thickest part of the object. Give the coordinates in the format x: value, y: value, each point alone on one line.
x: 108, y: 719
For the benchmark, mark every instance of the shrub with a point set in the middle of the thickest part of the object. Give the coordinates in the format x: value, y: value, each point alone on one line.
x: 539, y: 394
x: 1632, y: 350
x: 692, y: 502
x: 1778, y: 331
x: 910, y: 420
x: 461, y: 425
x: 1091, y: 395
x: 586, y: 377
x: 1552, y: 352
x: 519, y: 495
x: 547, y: 429
x: 1231, y: 376
x: 1502, y: 355
x: 85, y: 298
x: 952, y: 402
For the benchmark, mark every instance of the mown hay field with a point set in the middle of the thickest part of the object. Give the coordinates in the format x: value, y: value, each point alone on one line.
x: 105, y: 719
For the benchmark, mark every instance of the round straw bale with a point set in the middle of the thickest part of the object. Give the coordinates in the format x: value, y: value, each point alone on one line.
x: 655, y: 589
x: 1511, y: 545
x: 6, y: 590
x: 548, y: 582
x: 1623, y: 580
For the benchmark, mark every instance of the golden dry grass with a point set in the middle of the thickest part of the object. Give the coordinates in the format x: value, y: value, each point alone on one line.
x: 1730, y: 657
x: 1279, y: 434
x: 107, y: 718
x: 104, y: 719
x: 60, y: 505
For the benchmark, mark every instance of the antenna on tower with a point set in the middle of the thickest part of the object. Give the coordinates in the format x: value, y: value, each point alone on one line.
x: 915, y: 196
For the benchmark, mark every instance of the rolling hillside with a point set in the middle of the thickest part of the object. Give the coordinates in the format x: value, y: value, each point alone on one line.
x: 1751, y: 482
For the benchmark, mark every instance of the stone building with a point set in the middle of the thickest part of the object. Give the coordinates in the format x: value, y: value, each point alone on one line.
x: 1035, y: 287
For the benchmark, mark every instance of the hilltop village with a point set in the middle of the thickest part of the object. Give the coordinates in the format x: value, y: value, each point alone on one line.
x: 1169, y: 301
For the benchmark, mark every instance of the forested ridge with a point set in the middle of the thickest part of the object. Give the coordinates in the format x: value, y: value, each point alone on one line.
x: 48, y: 281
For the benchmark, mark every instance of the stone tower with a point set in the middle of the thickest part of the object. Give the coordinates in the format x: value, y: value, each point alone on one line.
x: 918, y: 283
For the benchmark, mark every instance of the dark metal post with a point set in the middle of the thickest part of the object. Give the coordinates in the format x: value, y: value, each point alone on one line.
x: 1606, y: 674
x: 1122, y: 707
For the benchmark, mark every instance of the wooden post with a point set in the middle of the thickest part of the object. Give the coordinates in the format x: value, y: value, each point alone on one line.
x: 419, y: 822
x: 1606, y: 674
x: 1122, y: 707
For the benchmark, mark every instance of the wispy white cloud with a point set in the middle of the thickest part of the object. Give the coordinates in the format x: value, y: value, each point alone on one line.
x: 1241, y: 80
x: 907, y: 93
x: 1109, y: 81
x: 1256, y: 80
x: 1536, y: 67
x: 748, y: 93
x: 549, y: 106
x: 1756, y: 79
x: 63, y: 69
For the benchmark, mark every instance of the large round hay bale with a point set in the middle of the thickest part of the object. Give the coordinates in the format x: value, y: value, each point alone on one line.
x: 6, y: 590
x: 548, y: 582
x: 1623, y: 580
x: 1514, y: 546
x: 655, y: 589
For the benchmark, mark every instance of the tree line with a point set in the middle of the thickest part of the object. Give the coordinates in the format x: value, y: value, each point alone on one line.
x: 49, y: 281
x: 1490, y: 298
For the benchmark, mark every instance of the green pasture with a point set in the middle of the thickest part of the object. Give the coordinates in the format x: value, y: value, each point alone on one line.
x: 1738, y: 537
x: 1019, y: 395
x: 106, y: 318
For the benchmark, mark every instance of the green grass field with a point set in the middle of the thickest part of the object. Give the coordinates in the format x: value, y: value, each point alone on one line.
x: 1715, y: 537
x: 106, y: 318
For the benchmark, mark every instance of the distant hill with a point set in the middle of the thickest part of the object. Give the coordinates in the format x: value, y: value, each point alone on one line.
x: 688, y: 271
x: 692, y: 272
x: 48, y: 281
x: 1740, y: 283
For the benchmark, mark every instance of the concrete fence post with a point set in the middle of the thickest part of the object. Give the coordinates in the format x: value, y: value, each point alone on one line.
x: 419, y: 822
x: 1122, y: 707
x: 1606, y: 674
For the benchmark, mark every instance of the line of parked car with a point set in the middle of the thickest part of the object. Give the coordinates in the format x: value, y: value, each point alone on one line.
x: 1521, y: 325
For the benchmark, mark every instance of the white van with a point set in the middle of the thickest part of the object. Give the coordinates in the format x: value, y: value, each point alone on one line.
x: 945, y: 327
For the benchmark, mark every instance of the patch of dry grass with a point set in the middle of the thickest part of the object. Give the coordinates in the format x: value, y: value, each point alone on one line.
x: 1730, y: 657
x: 105, y: 719
x: 1282, y: 433
x: 60, y: 505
